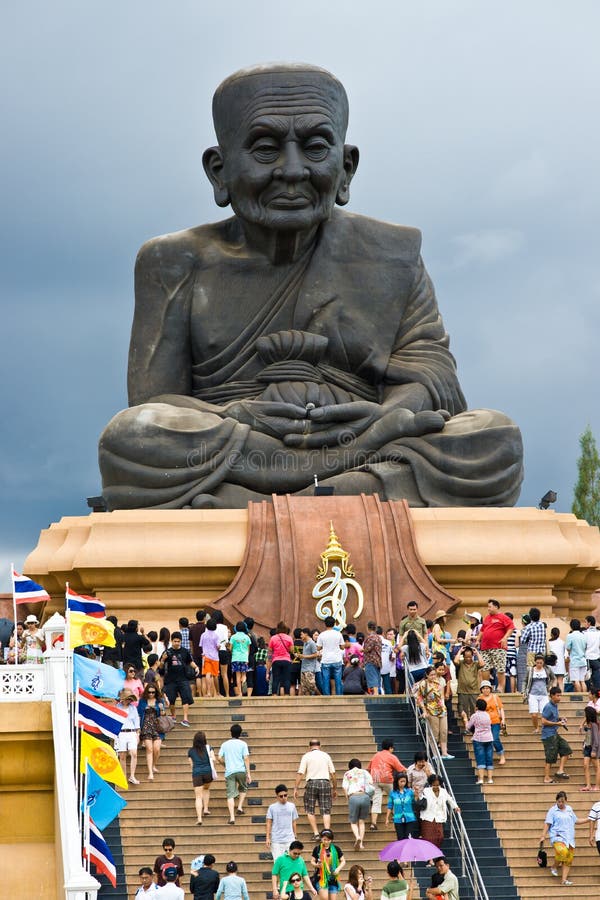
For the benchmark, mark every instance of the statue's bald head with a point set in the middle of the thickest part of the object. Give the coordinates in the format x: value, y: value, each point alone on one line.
x: 280, y: 88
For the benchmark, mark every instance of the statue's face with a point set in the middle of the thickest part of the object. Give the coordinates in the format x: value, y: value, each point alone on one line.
x: 284, y: 156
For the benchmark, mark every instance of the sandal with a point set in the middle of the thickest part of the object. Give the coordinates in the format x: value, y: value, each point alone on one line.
x: 585, y: 790
x: 372, y: 827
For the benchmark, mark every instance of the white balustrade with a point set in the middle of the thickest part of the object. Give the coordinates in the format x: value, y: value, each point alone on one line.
x: 52, y: 682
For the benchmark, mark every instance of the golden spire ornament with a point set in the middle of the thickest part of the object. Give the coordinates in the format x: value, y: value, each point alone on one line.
x: 334, y: 551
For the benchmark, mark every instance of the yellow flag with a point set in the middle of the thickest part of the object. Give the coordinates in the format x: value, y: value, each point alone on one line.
x: 89, y: 630
x: 102, y: 759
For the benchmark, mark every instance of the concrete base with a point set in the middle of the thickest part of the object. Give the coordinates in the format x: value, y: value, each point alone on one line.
x: 157, y: 565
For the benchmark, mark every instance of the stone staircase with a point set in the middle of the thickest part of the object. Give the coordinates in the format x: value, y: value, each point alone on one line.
x: 518, y: 801
x: 277, y: 731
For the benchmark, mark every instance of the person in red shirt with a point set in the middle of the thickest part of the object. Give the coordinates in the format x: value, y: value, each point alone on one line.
x: 382, y: 767
x: 493, y: 639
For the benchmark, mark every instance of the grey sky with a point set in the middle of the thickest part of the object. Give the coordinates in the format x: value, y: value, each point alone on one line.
x: 475, y: 123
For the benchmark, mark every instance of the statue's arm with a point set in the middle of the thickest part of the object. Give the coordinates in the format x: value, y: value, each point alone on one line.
x: 421, y: 373
x: 160, y: 347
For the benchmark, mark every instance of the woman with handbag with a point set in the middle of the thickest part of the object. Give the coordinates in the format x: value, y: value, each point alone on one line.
x: 359, y: 789
x: 152, y: 712
x: 202, y: 764
x: 559, y: 826
x: 403, y: 806
x: 435, y: 813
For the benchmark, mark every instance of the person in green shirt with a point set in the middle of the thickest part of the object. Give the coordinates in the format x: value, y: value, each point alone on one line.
x: 239, y: 644
x: 397, y: 888
x: 285, y: 866
x: 412, y: 621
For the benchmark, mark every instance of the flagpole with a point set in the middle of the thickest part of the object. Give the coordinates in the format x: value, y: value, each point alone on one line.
x: 87, y: 838
x: 14, y: 597
x: 84, y: 810
x: 77, y: 736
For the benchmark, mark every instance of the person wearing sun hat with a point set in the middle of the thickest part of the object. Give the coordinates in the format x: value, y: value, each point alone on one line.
x: 473, y: 620
x: 439, y: 641
x: 33, y: 641
x: 127, y: 739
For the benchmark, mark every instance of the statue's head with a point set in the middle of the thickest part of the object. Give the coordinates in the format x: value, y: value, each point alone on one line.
x: 281, y: 161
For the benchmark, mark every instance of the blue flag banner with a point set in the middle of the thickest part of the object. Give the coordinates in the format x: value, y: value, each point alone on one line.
x: 102, y: 801
x: 97, y: 678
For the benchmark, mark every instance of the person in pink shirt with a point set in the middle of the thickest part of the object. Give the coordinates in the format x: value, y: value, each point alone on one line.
x: 280, y: 649
x: 493, y: 640
x: 480, y: 726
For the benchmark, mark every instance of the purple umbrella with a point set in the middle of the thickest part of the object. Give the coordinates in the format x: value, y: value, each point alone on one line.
x: 410, y: 850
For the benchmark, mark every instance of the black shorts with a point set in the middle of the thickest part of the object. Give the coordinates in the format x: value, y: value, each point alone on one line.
x: 224, y: 657
x: 181, y: 689
x: 198, y: 661
x: 200, y: 780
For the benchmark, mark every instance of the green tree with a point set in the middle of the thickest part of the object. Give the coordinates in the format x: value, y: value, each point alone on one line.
x: 586, y: 496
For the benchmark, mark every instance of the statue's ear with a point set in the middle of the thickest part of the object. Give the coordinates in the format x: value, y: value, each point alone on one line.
x: 212, y: 160
x: 351, y: 156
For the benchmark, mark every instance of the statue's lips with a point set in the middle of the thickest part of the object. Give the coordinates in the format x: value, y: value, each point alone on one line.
x: 289, y: 201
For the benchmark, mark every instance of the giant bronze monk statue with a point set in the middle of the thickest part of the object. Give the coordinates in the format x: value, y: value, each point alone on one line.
x: 293, y: 339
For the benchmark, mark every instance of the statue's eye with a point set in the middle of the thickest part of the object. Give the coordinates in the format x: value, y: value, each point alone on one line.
x: 265, y: 151
x: 316, y: 149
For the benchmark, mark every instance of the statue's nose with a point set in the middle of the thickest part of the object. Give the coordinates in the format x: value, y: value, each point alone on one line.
x: 291, y: 166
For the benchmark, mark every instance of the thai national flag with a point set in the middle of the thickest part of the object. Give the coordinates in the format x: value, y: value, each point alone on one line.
x: 27, y: 591
x: 98, y: 717
x: 89, y: 606
x: 100, y: 855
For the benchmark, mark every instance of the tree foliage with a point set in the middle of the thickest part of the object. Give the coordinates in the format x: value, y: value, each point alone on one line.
x: 586, y: 496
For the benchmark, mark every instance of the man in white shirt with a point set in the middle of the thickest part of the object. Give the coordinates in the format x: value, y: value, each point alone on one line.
x: 387, y: 660
x: 594, y: 818
x: 449, y: 886
x: 592, y: 650
x: 331, y: 644
x: 281, y: 821
x: 317, y: 768
x: 148, y: 888
x: 170, y: 891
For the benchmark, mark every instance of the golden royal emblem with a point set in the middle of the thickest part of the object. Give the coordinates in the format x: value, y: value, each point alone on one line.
x: 332, y: 590
x: 102, y: 762
x: 93, y: 634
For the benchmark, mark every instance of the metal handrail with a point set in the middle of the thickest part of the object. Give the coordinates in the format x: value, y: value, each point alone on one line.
x: 470, y: 869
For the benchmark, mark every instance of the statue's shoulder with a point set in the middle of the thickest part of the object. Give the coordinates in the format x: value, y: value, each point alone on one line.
x: 374, y: 238
x: 184, y: 250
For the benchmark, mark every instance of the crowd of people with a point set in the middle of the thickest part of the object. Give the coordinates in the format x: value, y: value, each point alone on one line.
x: 490, y: 656
x: 415, y: 800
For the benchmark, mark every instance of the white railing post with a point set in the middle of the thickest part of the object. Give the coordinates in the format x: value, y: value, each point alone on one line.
x: 78, y: 883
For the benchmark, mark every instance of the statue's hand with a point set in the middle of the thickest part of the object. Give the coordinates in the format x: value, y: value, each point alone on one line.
x: 269, y: 417
x: 371, y: 425
x: 330, y: 425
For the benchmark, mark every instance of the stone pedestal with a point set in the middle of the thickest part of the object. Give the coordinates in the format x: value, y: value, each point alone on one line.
x: 157, y: 565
